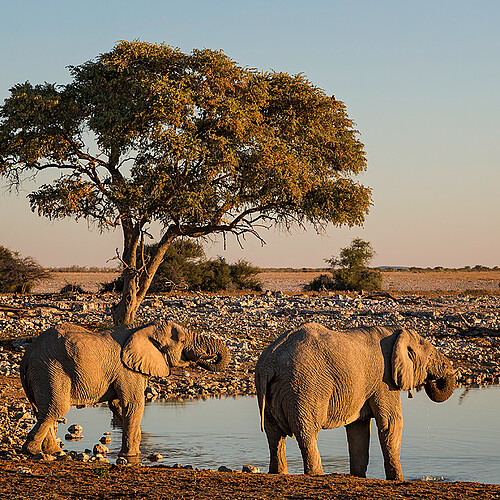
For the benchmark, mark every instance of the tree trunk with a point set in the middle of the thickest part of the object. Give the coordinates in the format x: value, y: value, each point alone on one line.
x: 125, y: 310
x: 137, y: 275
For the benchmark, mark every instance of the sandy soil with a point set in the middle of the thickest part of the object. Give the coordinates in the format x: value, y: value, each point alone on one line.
x: 294, y: 281
x: 401, y: 281
x: 63, y: 480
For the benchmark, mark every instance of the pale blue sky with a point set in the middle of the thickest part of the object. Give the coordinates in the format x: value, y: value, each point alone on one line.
x: 420, y: 79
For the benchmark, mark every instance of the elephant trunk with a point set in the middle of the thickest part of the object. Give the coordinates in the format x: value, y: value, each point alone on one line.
x: 440, y: 387
x: 205, y: 348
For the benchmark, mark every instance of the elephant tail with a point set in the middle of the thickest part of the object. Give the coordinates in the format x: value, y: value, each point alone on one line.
x: 27, y: 386
x: 261, y: 384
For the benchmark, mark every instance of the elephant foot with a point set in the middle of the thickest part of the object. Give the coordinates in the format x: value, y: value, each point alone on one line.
x: 51, y: 450
x: 315, y: 473
x: 283, y: 471
x: 396, y: 476
x: 31, y: 448
x: 399, y: 477
x: 128, y: 454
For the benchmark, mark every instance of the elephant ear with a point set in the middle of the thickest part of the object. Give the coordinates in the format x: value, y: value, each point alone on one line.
x: 402, y: 364
x: 141, y: 353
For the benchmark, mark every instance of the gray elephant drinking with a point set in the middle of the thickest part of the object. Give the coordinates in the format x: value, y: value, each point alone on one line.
x: 70, y: 365
x: 313, y: 378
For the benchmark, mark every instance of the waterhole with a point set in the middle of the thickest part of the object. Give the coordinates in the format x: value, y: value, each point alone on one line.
x: 458, y: 440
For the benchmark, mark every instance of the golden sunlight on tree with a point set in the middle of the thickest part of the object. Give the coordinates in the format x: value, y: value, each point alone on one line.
x: 193, y: 141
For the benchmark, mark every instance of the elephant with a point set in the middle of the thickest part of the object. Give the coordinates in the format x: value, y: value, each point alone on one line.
x: 69, y: 365
x: 314, y: 378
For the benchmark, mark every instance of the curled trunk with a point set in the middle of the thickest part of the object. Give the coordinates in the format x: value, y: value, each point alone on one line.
x: 209, y: 353
x: 440, y: 389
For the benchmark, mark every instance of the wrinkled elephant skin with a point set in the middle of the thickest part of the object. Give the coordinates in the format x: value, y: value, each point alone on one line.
x: 313, y: 378
x: 69, y: 365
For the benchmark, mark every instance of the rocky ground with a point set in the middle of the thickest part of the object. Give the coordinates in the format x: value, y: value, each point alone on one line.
x: 459, y: 319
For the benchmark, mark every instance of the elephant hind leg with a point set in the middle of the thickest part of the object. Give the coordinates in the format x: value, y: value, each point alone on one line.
x: 276, y: 440
x: 42, y: 438
x: 53, y: 403
x: 310, y: 453
x: 49, y: 444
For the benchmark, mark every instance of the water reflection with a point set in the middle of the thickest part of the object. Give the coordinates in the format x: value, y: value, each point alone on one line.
x: 458, y: 440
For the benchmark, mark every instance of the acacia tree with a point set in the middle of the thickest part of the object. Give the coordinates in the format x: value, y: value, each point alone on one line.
x: 193, y: 141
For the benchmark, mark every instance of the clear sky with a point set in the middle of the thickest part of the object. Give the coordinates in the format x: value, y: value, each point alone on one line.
x: 420, y: 79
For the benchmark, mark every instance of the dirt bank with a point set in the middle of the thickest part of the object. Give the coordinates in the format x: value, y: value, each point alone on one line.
x: 62, y: 480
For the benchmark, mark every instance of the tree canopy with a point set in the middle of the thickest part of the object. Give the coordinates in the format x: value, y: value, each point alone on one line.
x: 193, y: 141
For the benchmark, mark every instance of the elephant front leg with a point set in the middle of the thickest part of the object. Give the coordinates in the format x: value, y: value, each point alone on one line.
x: 277, y: 449
x: 115, y: 407
x: 390, y: 431
x: 358, y: 438
x: 131, y: 431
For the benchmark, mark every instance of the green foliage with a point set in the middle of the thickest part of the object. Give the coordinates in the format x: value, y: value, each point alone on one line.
x: 185, y: 267
x: 353, y: 273
x: 196, y: 142
x: 243, y: 276
x: 179, y: 266
x: 18, y: 274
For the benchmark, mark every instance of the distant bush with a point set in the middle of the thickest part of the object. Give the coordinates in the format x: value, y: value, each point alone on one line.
x: 185, y: 267
x: 19, y: 274
x: 71, y: 289
x: 244, y: 276
x: 350, y: 271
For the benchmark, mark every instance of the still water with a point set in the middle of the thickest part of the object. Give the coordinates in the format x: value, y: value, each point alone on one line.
x: 458, y: 440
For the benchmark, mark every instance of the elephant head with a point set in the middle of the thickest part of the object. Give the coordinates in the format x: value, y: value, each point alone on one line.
x: 153, y: 349
x: 416, y: 363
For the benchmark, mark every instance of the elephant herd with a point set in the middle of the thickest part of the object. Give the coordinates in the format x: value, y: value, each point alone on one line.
x: 308, y: 379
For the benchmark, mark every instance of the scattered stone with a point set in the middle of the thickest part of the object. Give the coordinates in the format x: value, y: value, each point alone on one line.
x: 25, y: 470
x: 121, y: 461
x: 150, y: 393
x: 223, y: 468
x: 251, y: 469
x: 75, y: 429
x: 62, y: 456
x: 82, y: 457
x: 155, y: 457
x: 100, y: 449
x: 42, y: 457
x: 73, y: 437
x: 105, y: 440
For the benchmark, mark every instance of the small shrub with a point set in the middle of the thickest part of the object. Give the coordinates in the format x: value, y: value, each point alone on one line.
x: 244, y: 276
x: 321, y: 283
x: 352, y: 273
x: 19, y: 274
x: 112, y: 286
x: 213, y: 275
x: 71, y: 289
